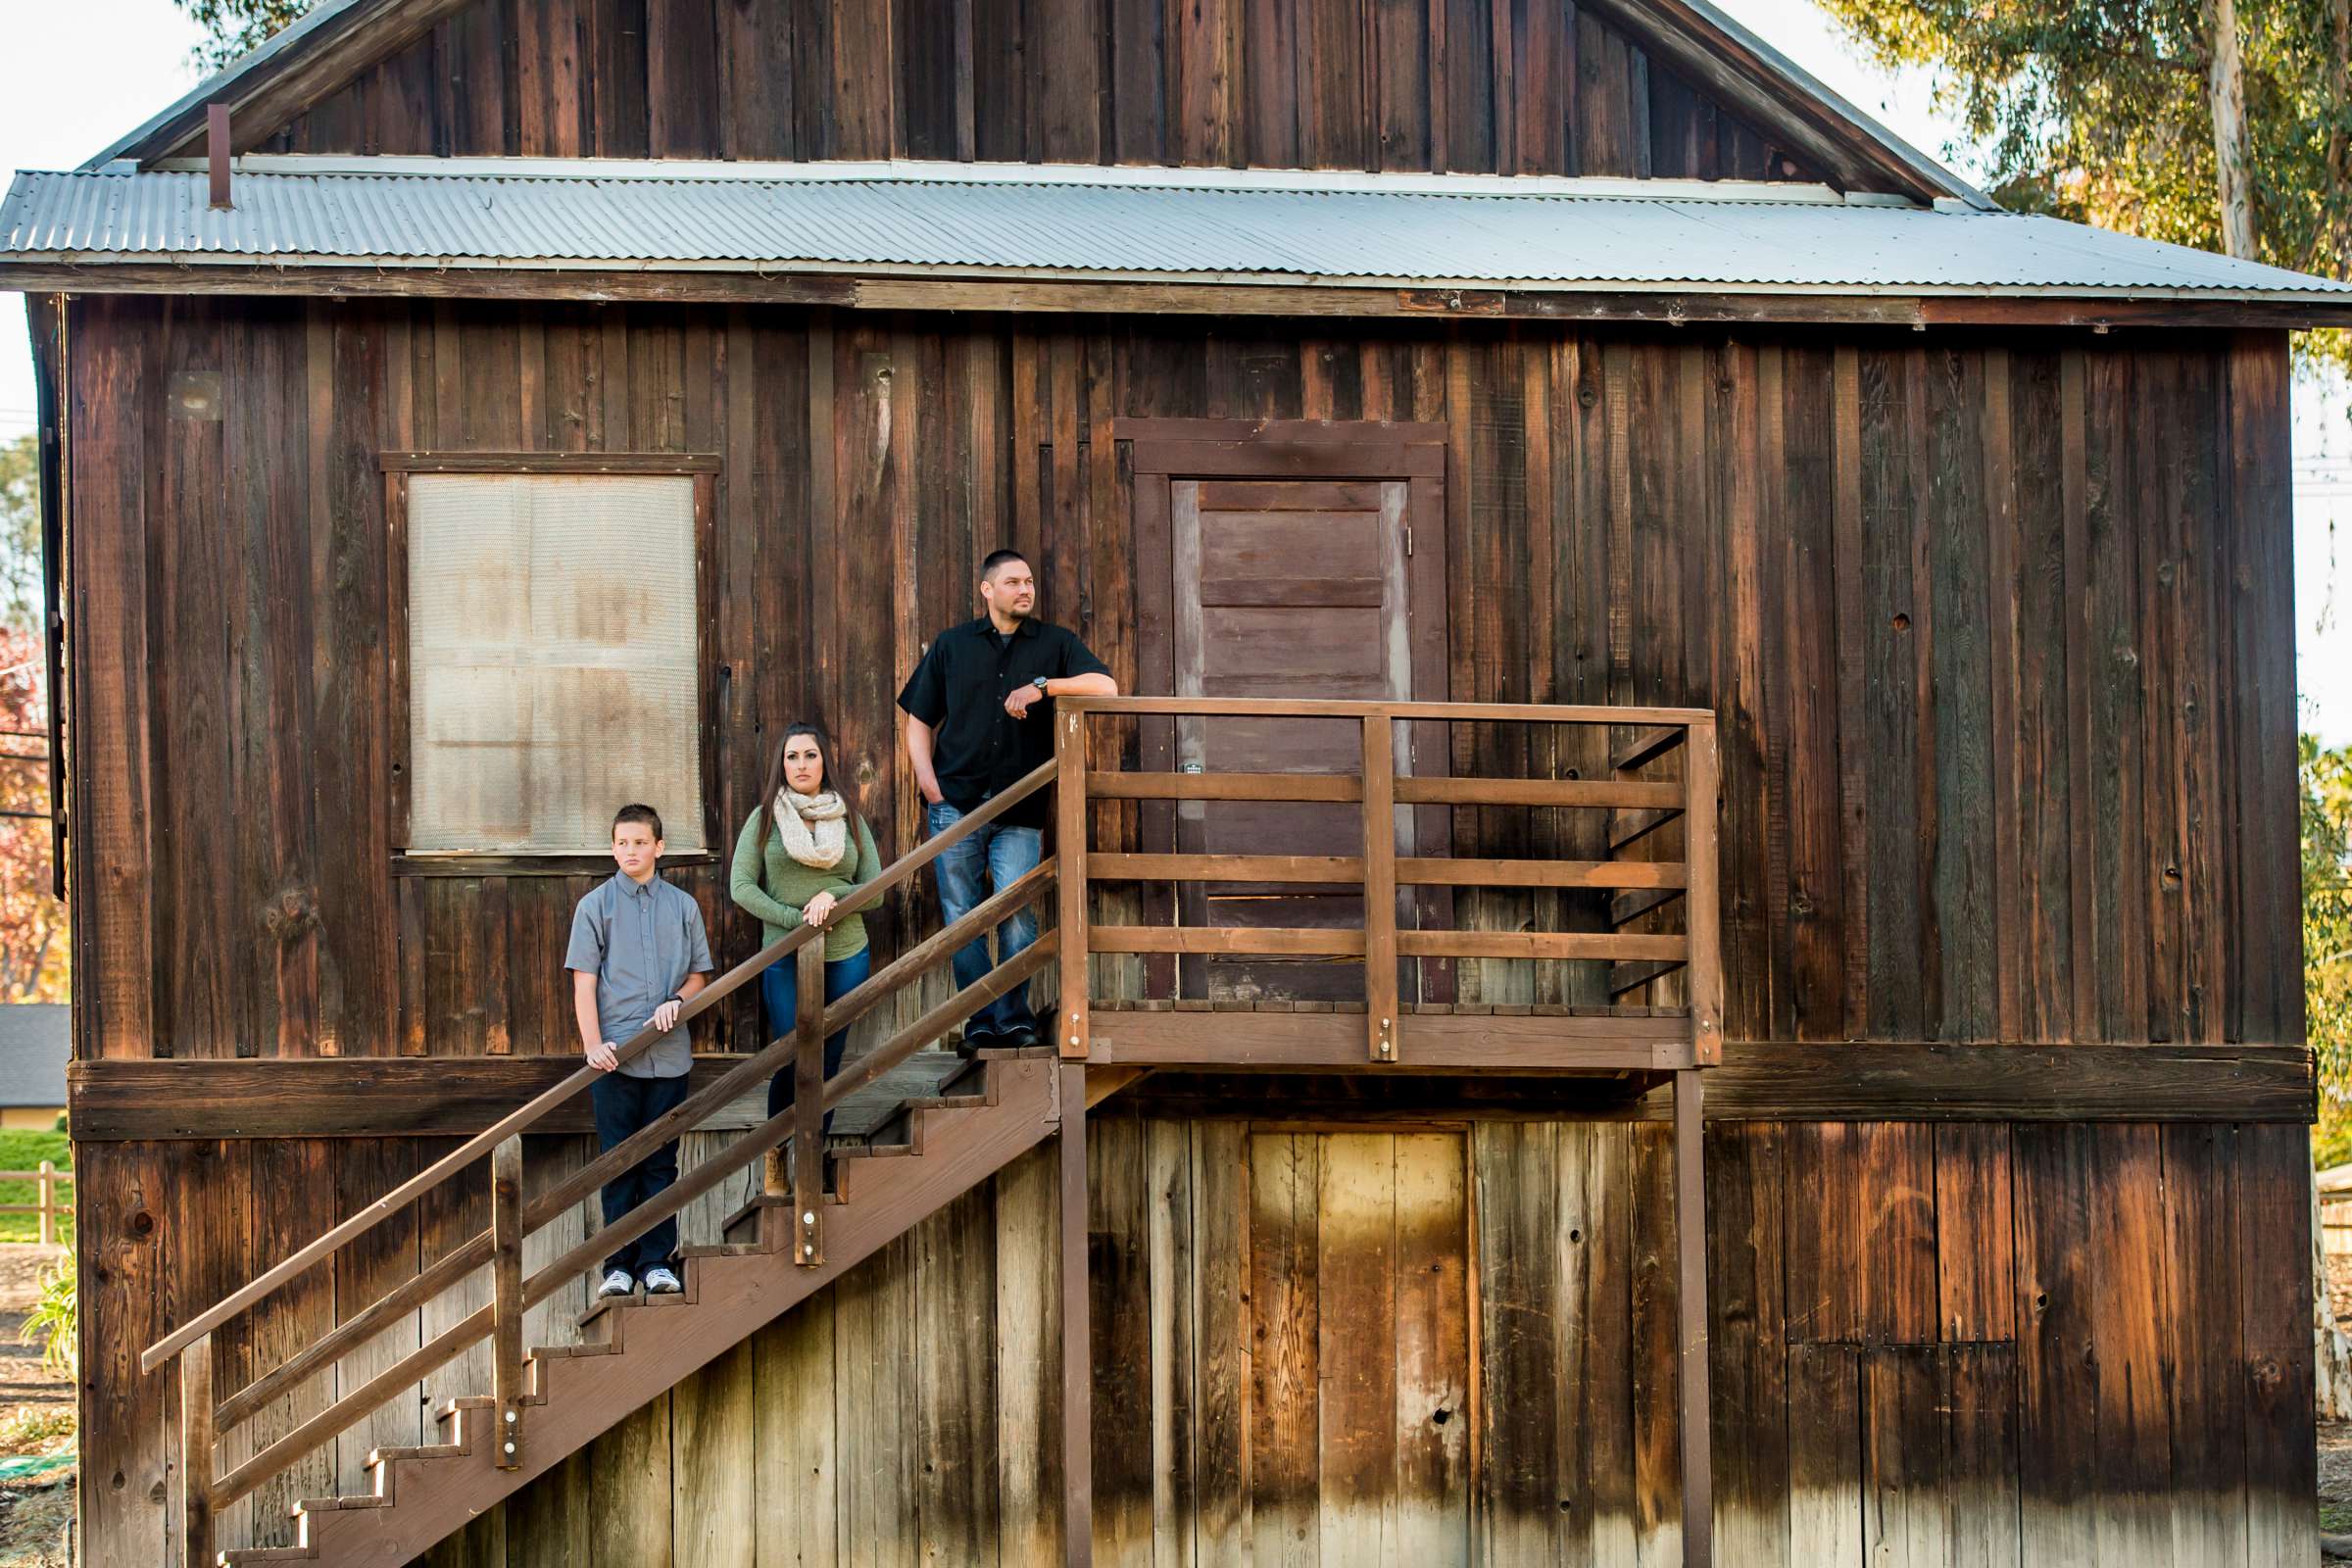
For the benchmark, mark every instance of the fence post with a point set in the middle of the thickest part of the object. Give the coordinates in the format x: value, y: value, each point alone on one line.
x: 48, y: 1201
x: 1379, y: 886
x: 808, y: 1107
x: 1069, y: 859
x: 505, y: 1275
x: 196, y: 1453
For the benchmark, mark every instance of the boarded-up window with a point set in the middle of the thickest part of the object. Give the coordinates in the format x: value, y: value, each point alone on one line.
x: 552, y: 664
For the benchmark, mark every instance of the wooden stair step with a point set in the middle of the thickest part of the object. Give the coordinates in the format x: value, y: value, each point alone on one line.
x: 424, y: 1451
x: 235, y: 1556
x: 357, y: 1499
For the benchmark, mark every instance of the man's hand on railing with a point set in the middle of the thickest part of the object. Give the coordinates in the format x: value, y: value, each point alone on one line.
x: 605, y: 1056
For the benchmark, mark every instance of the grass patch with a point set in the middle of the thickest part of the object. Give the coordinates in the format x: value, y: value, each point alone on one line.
x: 32, y: 1427
x: 25, y: 1151
x: 2335, y: 1518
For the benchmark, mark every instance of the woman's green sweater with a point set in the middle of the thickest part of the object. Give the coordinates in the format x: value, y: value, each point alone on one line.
x: 775, y: 887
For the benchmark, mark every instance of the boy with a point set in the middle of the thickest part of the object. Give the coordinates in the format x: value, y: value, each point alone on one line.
x: 637, y: 957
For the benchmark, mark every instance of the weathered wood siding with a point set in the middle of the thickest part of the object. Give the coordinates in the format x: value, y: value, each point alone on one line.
x: 1427, y: 85
x: 1990, y: 1343
x: 1998, y: 630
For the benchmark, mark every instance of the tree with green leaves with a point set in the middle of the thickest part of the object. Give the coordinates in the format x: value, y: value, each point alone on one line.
x: 234, y: 26
x: 2326, y: 776
x: 2220, y: 124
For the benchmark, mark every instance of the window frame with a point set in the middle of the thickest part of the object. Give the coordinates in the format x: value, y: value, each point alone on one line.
x: 702, y: 469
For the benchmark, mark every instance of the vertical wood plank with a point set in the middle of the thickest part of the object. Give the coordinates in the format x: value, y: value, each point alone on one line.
x: 713, y: 1429
x: 796, y: 1480
x: 1654, y: 1347
x: 2275, y: 1271
x: 1223, y: 1343
x: 1748, y: 1173
x: 1118, y: 1241
x: 1980, y: 1454
x: 1028, y: 1324
x: 1285, y: 1297
x: 955, y: 1457
x: 1355, y: 1350
x: 2057, y: 1381
x: 1906, y: 1518
x: 1172, y: 1272
x: 874, y: 1358
x: 1433, y: 1353
x: 1825, y: 1456
x: 2208, y: 1406
x: 107, y: 458
x: 1975, y: 1238
x: 1522, y: 1222
x: 630, y: 1511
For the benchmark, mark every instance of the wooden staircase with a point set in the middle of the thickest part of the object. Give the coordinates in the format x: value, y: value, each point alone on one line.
x: 934, y: 1148
x: 933, y: 1145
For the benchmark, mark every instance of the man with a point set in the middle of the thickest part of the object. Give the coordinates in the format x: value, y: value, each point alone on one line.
x: 979, y: 717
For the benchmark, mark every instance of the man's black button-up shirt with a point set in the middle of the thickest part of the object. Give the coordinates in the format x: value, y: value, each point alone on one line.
x: 960, y: 689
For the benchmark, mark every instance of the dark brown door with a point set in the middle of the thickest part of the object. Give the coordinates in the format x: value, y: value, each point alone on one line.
x: 1300, y: 562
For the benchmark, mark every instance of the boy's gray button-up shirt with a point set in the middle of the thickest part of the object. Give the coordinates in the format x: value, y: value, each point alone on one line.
x: 641, y: 943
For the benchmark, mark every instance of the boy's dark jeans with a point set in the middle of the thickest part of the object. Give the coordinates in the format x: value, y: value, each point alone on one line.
x: 622, y: 1106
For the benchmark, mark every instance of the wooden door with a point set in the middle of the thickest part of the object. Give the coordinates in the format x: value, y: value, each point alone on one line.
x: 1299, y: 561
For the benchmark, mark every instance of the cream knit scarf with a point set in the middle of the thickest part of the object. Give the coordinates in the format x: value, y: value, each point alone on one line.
x: 815, y: 828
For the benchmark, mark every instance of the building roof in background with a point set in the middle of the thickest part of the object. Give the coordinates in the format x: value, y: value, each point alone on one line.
x: 1088, y: 224
x: 37, y: 1038
x: 339, y: 38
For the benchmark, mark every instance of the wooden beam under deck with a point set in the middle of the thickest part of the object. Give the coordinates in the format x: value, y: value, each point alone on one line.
x: 361, y: 1097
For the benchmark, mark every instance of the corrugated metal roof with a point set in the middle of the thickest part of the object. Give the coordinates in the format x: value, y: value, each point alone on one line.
x: 1186, y: 227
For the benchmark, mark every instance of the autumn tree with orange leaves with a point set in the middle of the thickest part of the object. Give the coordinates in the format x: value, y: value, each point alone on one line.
x: 34, y: 954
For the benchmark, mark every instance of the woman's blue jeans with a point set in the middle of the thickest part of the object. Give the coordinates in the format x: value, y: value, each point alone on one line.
x: 780, y: 992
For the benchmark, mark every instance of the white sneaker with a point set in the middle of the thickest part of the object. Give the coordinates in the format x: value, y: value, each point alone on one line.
x: 662, y: 1282
x: 618, y: 1283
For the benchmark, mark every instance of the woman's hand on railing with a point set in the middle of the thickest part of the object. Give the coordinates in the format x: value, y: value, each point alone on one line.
x: 818, y: 910
x: 604, y: 1056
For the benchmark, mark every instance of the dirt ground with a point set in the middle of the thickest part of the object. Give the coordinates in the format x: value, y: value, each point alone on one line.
x: 36, y: 1420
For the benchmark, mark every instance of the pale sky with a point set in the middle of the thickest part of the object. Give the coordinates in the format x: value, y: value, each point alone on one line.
x: 75, y: 75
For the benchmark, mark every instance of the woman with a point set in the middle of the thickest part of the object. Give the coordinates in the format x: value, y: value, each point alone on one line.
x: 800, y: 851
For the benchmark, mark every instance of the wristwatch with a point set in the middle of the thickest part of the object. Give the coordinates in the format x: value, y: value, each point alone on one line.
x: 1039, y: 683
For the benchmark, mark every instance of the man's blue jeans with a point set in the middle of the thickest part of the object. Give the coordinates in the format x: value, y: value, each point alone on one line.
x: 987, y: 862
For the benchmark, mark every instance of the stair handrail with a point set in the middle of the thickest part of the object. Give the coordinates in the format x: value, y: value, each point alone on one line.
x: 522, y: 1119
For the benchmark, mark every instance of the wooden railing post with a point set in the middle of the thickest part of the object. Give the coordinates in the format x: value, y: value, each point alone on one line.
x: 1069, y: 853
x: 1704, y: 917
x: 809, y: 1110
x: 48, y: 1201
x: 196, y: 1453
x: 1379, y: 886
x: 506, y: 1286
x: 1077, y: 1365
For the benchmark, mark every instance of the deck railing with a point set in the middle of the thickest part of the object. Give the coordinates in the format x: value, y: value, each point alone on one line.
x: 1638, y: 743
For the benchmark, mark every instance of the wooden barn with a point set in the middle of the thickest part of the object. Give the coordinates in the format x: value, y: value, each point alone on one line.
x: 1684, y: 949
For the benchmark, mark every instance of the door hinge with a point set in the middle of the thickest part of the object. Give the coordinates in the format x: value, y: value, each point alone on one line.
x: 1408, y: 541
